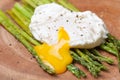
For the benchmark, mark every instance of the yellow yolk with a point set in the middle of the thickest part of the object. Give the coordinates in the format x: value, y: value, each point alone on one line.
x: 56, y: 55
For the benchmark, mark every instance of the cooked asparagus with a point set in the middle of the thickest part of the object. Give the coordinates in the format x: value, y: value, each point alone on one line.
x: 97, y: 66
x: 76, y: 71
x: 9, y: 25
x: 97, y: 56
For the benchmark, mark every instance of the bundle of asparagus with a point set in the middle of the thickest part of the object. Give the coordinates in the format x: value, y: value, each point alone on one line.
x: 91, y: 59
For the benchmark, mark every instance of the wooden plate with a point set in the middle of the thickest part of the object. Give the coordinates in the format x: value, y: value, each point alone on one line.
x: 16, y: 63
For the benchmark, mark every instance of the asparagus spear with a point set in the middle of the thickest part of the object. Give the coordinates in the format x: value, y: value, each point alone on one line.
x: 20, y: 23
x: 96, y: 65
x: 97, y: 56
x: 68, y: 5
x: 116, y: 45
x: 22, y: 10
x: 82, y: 61
x: 35, y: 3
x: 46, y: 1
x: 109, y: 47
x: 14, y: 27
x: 53, y: 0
x: 113, y: 40
x: 30, y: 2
x: 76, y: 71
x: 28, y: 8
x: 18, y: 14
x: 8, y: 25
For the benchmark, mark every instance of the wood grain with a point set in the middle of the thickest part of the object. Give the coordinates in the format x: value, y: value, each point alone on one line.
x: 16, y: 63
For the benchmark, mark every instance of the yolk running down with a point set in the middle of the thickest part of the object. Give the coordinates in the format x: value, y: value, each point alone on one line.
x: 56, y: 55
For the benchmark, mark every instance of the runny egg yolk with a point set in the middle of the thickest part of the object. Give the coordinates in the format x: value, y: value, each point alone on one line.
x: 56, y: 55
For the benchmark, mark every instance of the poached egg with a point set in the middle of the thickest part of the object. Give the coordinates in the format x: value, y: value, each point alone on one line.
x: 60, y: 29
x: 85, y: 29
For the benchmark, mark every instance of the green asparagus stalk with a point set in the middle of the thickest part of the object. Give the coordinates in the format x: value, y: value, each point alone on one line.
x: 46, y: 1
x: 76, y: 71
x: 83, y: 62
x: 109, y: 47
x: 8, y: 25
x: 39, y: 2
x: 68, y: 5
x: 16, y: 13
x: 28, y: 8
x: 113, y: 40
x: 23, y: 11
x: 30, y: 2
x: 23, y: 21
x: 96, y: 65
x: 88, y: 59
x: 5, y: 19
x: 97, y: 56
x: 53, y: 0
x: 112, y: 45
x: 116, y: 45
x: 35, y: 3
x: 20, y: 23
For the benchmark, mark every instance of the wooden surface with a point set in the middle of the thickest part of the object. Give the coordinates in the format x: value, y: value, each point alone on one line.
x: 16, y: 63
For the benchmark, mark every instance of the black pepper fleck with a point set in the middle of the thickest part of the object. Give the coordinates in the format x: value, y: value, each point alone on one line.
x: 61, y: 15
x: 18, y: 62
x: 67, y: 20
x: 10, y: 44
x: 77, y: 16
x: 33, y: 56
x: 71, y: 11
x: 81, y: 35
x: 80, y: 18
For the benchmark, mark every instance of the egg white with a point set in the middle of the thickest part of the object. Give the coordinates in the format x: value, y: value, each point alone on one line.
x: 85, y: 29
